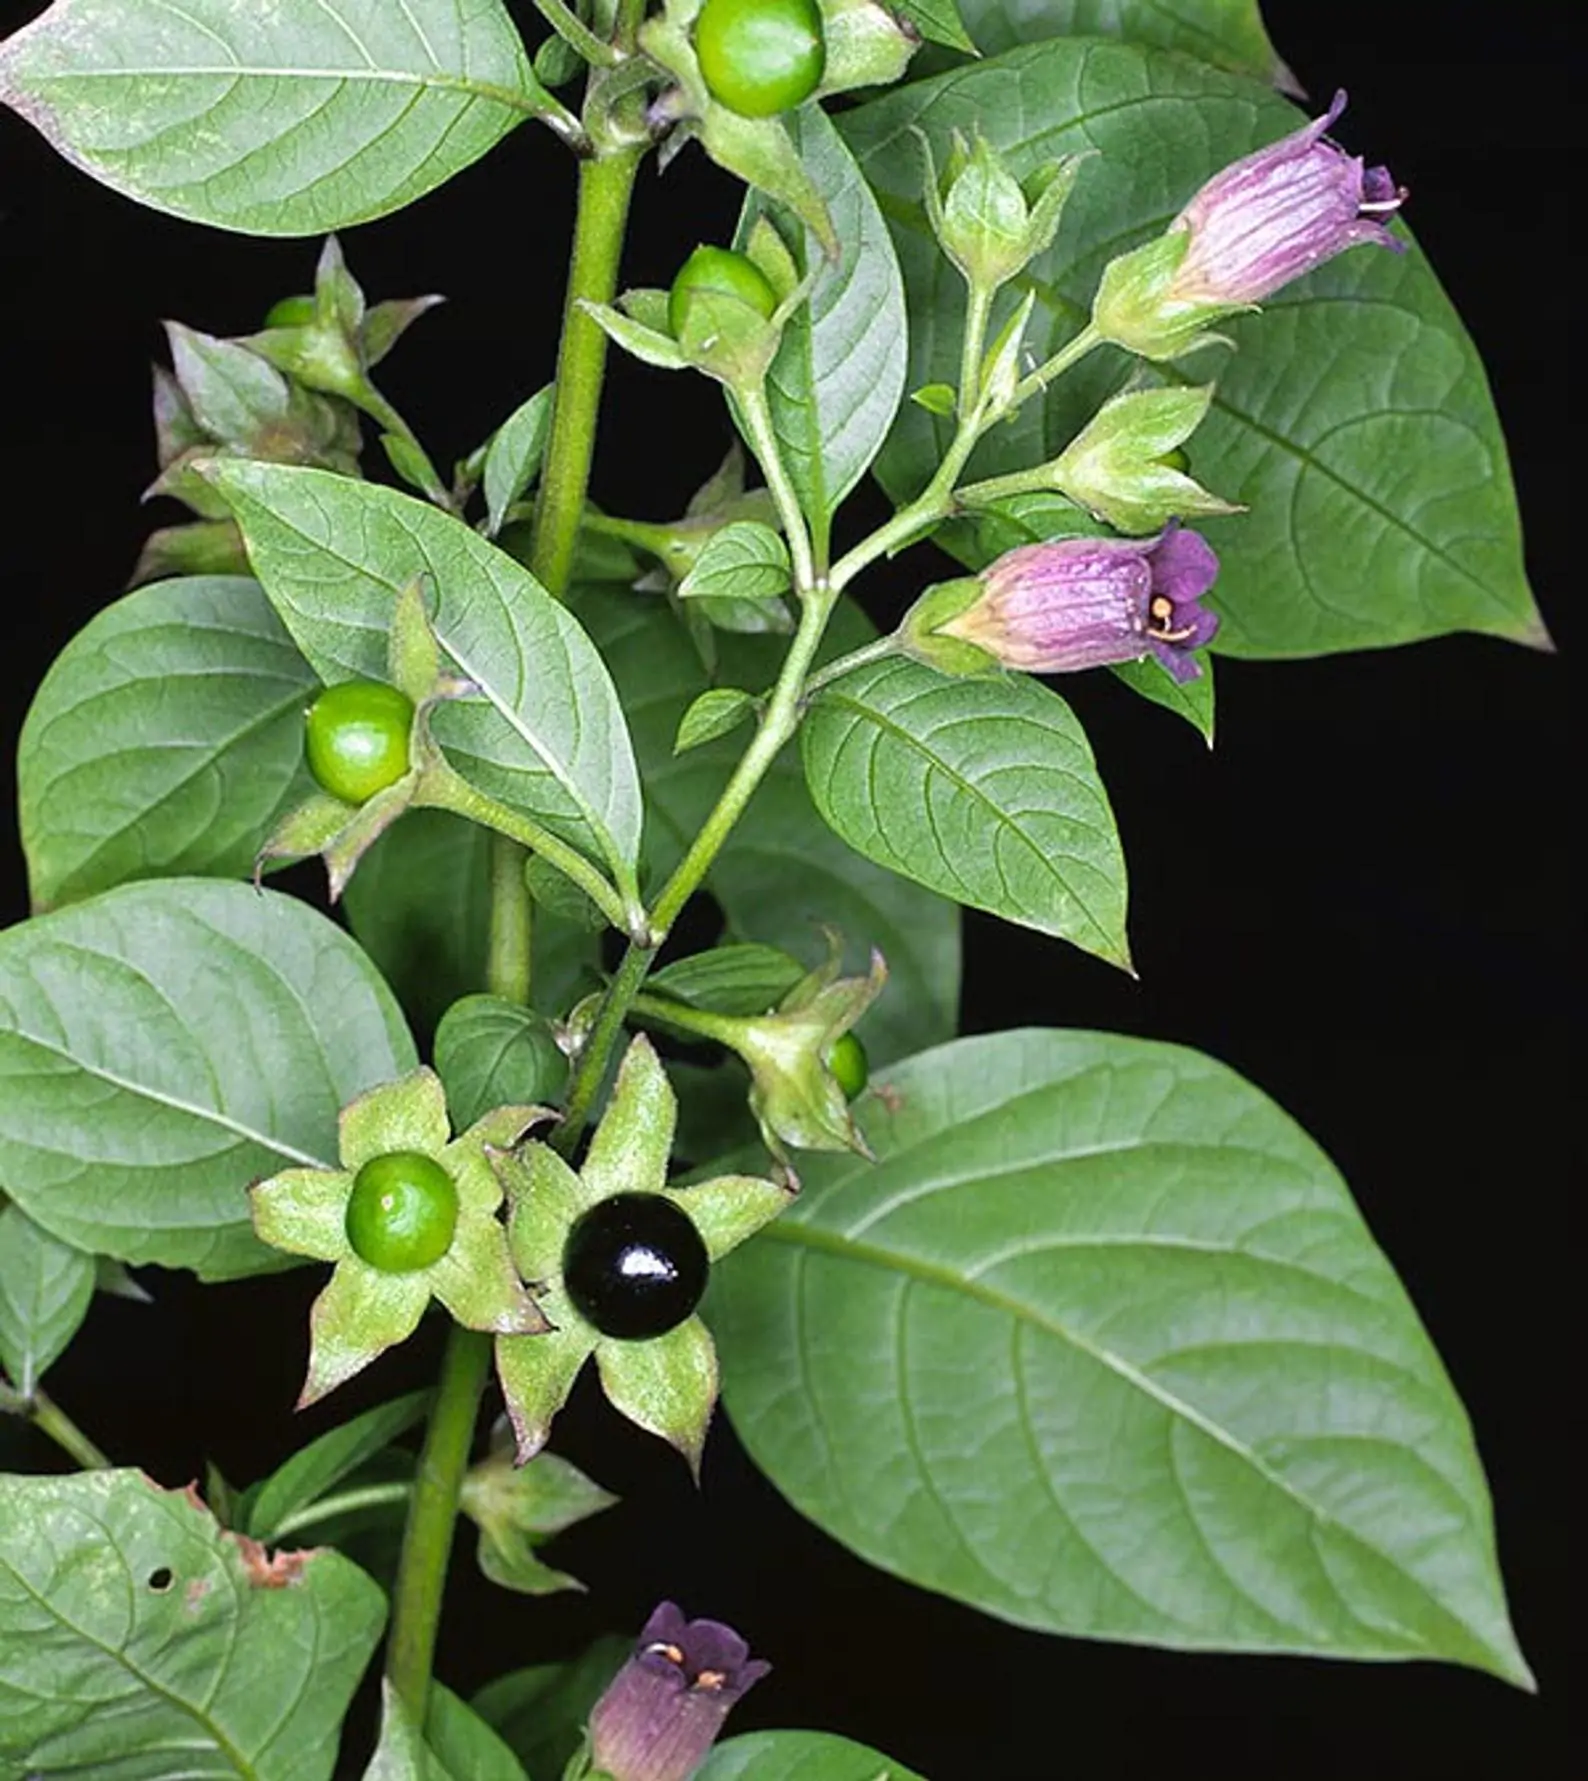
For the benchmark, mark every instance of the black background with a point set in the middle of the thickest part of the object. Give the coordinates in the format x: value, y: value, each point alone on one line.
x: 1360, y: 900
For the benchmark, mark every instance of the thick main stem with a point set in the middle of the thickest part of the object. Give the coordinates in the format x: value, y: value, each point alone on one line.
x: 432, y: 1515
x: 604, y: 188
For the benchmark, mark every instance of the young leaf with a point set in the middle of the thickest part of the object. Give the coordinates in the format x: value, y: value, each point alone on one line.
x: 315, y: 1470
x: 46, y: 1287
x: 745, y: 560
x: 166, y: 739
x: 1227, y: 33
x: 164, y: 1045
x: 940, y: 21
x: 178, y: 1637
x: 513, y: 456
x: 1190, y: 699
x: 491, y: 1053
x: 541, y: 1711
x: 369, y: 105
x: 984, y: 790
x: 1099, y: 1299
x: 420, y: 905
x: 737, y: 980
x: 799, y: 1756
x: 716, y: 712
x: 838, y: 378
x: 1354, y: 420
x: 464, y: 1744
x: 543, y: 733
x: 783, y: 874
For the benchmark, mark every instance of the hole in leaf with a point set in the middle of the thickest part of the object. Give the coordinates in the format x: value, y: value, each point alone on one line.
x: 161, y: 1579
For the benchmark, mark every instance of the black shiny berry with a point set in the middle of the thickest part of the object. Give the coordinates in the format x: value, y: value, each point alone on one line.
x: 634, y: 1266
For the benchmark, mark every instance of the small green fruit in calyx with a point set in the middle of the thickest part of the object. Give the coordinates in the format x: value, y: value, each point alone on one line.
x: 402, y: 1213
x: 761, y: 57
x: 718, y: 272
x: 357, y: 738
x: 634, y: 1265
x: 848, y: 1063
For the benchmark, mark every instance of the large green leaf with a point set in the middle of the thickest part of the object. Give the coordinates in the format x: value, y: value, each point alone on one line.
x: 783, y: 873
x: 165, y: 1044
x: 838, y: 377
x: 139, y: 1640
x: 982, y: 789
x: 800, y: 1756
x: 1354, y: 419
x: 543, y: 733
x: 1227, y: 33
x: 420, y: 904
x: 1100, y: 1345
x: 281, y: 119
x: 166, y: 739
x: 45, y: 1290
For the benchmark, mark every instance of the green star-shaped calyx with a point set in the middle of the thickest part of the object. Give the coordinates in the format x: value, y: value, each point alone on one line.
x: 519, y: 1507
x: 365, y: 1309
x: 667, y: 1383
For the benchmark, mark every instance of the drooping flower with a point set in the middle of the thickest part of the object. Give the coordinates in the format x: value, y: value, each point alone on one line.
x: 662, y: 1711
x: 1075, y: 603
x: 1256, y: 225
x: 411, y: 1214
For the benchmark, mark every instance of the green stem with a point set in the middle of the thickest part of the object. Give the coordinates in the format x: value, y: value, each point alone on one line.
x: 50, y: 1419
x: 1071, y: 353
x: 605, y: 186
x: 432, y: 1515
x: 367, y: 1496
x: 572, y: 29
x: 978, y: 309
x: 842, y: 665
x: 779, y: 721
x: 763, y: 442
x: 507, y: 968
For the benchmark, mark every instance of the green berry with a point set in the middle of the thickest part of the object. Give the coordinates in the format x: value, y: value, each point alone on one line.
x: 723, y: 273
x: 358, y: 738
x: 402, y: 1212
x: 291, y: 312
x: 760, y: 57
x: 847, y: 1061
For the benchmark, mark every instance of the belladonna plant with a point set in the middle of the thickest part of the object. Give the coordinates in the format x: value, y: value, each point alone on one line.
x: 1076, y: 1329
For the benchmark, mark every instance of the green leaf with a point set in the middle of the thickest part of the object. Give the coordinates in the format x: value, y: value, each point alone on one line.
x: 166, y: 739
x: 287, y: 119
x: 491, y: 1053
x: 800, y: 1756
x: 541, y: 1711
x: 464, y: 1744
x: 420, y: 904
x: 1102, y: 1346
x: 744, y: 560
x: 46, y: 1287
x: 176, y: 1636
x: 1190, y: 699
x: 322, y: 1465
x: 544, y: 733
x: 940, y: 21
x: 165, y: 1044
x: 838, y: 377
x: 783, y: 873
x: 401, y: 1753
x: 736, y: 980
x: 983, y: 789
x: 513, y: 456
x: 716, y: 712
x: 1354, y: 419
x: 1227, y: 33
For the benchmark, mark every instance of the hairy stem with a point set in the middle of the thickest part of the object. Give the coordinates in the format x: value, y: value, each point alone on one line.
x: 763, y: 441
x: 47, y: 1416
x: 343, y: 1502
x: 605, y: 185
x: 432, y: 1514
